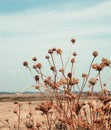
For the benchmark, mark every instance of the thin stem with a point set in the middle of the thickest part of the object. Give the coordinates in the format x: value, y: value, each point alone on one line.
x: 7, y: 124
x: 70, y: 51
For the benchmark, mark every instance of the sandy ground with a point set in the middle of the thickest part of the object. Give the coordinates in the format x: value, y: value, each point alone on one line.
x: 7, y: 113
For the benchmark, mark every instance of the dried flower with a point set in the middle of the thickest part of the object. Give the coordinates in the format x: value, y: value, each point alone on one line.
x: 59, y: 51
x: 39, y: 65
x: 84, y: 75
x: 47, y: 57
x: 52, y: 68
x: 34, y: 66
x: 50, y: 51
x: 53, y: 49
x: 61, y: 70
x: 34, y: 59
x: 37, y: 78
x: 98, y: 67
x: 73, y: 40
x: 38, y: 125
x: 74, y: 53
x: 95, y: 53
x: 25, y: 63
x: 106, y: 62
x: 69, y: 75
x: 29, y: 124
x: 37, y: 87
x: 93, y: 81
x: 72, y: 60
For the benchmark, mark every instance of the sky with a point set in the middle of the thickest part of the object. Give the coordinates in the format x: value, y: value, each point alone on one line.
x: 29, y: 28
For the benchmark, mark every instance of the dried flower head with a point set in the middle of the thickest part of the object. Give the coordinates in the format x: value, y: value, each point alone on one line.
x: 47, y: 57
x: 73, y: 40
x: 34, y: 66
x: 38, y: 125
x: 39, y: 65
x: 69, y: 75
x: 93, y: 81
x: 37, y: 87
x: 53, y: 49
x: 25, y: 63
x: 36, y: 78
x: 74, y: 53
x: 84, y: 75
x: 34, y: 59
x: 106, y: 62
x: 50, y: 51
x: 72, y: 60
x: 59, y: 51
x: 61, y: 70
x: 29, y: 124
x: 52, y: 68
x: 95, y: 53
x: 98, y: 67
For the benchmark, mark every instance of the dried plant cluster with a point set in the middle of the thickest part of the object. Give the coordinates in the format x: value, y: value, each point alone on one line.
x: 67, y: 110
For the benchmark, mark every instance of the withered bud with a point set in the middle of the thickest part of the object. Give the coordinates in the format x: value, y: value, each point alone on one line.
x: 72, y: 60
x: 15, y: 111
x: 95, y: 53
x: 38, y: 125
x: 34, y: 59
x: 39, y: 65
x: 29, y: 103
x: 37, y: 87
x: 19, y: 104
x: 104, y: 84
x: 37, y: 78
x: 84, y: 75
x: 59, y: 51
x: 15, y: 102
x: 73, y: 40
x: 74, y: 53
x: 34, y: 66
x: 47, y: 57
x: 50, y: 51
x: 61, y: 70
x: 25, y: 63
x: 53, y: 49
x: 69, y: 75
x: 52, y: 68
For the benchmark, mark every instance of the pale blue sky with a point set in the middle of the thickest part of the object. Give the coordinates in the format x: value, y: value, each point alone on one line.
x: 29, y: 27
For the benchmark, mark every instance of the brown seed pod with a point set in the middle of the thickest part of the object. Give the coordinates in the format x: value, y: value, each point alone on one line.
x: 25, y: 63
x: 95, y: 53
x: 73, y: 40
x: 34, y: 59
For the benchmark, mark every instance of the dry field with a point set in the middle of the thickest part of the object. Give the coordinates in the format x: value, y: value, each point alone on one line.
x: 7, y: 108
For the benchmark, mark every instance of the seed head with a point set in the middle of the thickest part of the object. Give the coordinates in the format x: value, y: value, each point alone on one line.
x: 25, y: 63
x: 50, y: 51
x: 95, y: 53
x: 72, y: 60
x: 37, y: 87
x: 53, y: 49
x: 59, y: 51
x: 73, y: 40
x: 39, y: 65
x: 52, y: 68
x: 74, y: 54
x: 47, y: 57
x: 37, y: 78
x: 69, y: 75
x: 84, y: 75
x: 34, y: 66
x: 34, y: 59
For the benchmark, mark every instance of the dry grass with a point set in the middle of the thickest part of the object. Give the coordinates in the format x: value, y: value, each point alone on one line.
x: 53, y: 111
